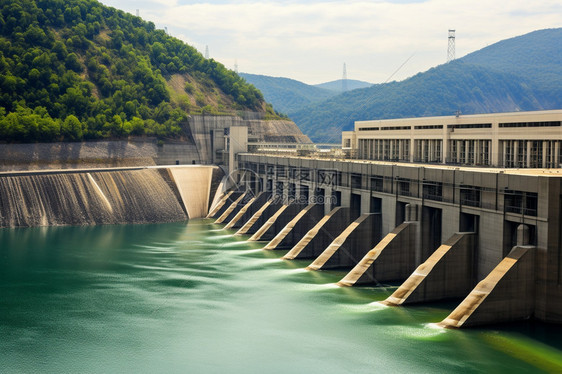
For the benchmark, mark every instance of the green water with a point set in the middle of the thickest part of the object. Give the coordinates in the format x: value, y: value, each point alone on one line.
x: 192, y: 298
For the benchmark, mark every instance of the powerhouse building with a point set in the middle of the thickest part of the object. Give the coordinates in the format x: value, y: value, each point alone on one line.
x: 508, y: 140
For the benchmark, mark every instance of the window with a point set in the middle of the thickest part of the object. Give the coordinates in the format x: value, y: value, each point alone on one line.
x: 470, y: 195
x: 355, y: 180
x: 532, y: 124
x: 433, y: 191
x: 471, y: 126
x: 377, y: 183
x: 521, y: 202
x: 404, y: 187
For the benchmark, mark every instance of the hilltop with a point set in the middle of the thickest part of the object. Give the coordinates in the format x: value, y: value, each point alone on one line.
x: 76, y: 69
x: 288, y: 95
x: 337, y: 85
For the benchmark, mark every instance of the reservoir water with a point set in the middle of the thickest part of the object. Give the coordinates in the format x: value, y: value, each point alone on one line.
x: 193, y: 298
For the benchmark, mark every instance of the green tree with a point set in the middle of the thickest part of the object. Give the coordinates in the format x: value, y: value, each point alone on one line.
x: 72, y: 129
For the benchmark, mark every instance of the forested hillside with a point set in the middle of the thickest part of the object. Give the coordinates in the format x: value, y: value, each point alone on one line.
x: 536, y: 56
x: 443, y: 90
x: 76, y: 69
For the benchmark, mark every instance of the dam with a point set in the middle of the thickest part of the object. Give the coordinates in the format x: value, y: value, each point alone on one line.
x: 106, y: 196
x: 296, y: 254
x: 490, y: 236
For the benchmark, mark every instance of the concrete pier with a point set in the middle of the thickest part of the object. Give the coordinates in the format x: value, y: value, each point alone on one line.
x: 276, y: 222
x: 259, y: 217
x: 231, y: 211
x: 393, y: 258
x: 297, y: 227
x: 351, y: 245
x: 228, y: 201
x: 269, y: 223
x: 246, y: 212
x: 321, y: 235
x: 506, y: 294
x: 447, y: 273
x: 220, y: 204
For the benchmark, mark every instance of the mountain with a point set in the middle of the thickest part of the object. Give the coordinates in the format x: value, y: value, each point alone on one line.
x: 337, y: 85
x: 287, y: 95
x: 536, y: 56
x: 522, y: 73
x: 76, y: 69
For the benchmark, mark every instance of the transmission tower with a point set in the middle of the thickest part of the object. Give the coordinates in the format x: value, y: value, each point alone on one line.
x: 207, y: 52
x: 451, y: 49
x: 236, y: 66
x: 138, y: 14
x: 344, y: 79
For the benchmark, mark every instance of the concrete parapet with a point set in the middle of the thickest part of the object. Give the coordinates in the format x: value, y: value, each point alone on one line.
x: 351, y: 245
x: 393, y: 258
x: 506, y: 294
x: 297, y: 227
x: 322, y: 234
x: 447, y: 273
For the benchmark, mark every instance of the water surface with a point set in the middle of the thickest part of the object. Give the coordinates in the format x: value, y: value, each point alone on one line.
x: 193, y: 298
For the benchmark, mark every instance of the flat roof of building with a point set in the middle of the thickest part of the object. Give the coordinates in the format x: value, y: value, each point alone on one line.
x: 557, y: 172
x: 537, y: 113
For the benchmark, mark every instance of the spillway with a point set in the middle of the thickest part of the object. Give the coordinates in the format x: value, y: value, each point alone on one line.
x: 111, y: 196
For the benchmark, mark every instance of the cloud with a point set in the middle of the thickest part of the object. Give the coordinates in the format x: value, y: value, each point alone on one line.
x: 311, y: 40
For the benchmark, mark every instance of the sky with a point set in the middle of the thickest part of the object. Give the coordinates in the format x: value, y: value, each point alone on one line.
x: 310, y: 40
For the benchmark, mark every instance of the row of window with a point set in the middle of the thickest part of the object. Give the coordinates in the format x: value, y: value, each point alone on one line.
x: 514, y: 201
x: 531, y: 153
x: 467, y: 126
x: 471, y: 126
x: 532, y: 124
x: 512, y: 153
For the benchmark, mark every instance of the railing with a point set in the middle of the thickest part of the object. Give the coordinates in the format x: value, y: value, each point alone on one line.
x: 520, y: 210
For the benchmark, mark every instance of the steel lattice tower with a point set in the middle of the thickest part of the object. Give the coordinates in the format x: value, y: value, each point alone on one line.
x: 451, y: 49
x: 344, y: 79
x: 207, y: 52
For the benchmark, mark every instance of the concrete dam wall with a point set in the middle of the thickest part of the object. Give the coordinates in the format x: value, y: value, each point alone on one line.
x: 109, y: 196
x: 489, y: 238
x: 94, y: 154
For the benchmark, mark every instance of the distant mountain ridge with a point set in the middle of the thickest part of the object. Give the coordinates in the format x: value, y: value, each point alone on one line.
x: 287, y: 95
x: 337, y: 85
x: 523, y: 73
